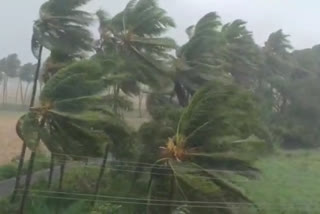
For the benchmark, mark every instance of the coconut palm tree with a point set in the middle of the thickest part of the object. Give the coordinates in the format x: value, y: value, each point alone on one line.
x: 199, y: 60
x: 62, y: 28
x: 241, y: 54
x: 209, y: 142
x: 26, y: 74
x: 131, y: 45
x: 71, y: 118
x: 9, y: 66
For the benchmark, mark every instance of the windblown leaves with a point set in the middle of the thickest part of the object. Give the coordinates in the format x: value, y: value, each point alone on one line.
x: 75, y: 119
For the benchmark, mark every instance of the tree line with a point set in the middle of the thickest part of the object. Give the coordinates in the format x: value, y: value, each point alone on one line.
x: 10, y: 67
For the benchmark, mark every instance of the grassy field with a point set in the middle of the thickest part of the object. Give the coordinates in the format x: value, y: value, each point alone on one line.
x: 289, y: 183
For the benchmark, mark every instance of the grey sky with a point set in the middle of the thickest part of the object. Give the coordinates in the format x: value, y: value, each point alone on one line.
x: 297, y: 18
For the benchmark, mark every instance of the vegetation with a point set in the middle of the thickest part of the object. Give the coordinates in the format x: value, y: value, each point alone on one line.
x: 220, y: 107
x: 9, y: 171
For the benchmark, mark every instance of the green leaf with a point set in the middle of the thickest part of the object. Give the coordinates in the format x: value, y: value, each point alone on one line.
x: 191, y: 176
x: 28, y: 130
x: 77, y: 80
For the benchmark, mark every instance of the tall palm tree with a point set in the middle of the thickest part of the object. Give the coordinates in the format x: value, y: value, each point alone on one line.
x: 62, y: 27
x: 72, y: 119
x: 208, y: 145
x: 10, y: 66
x: 199, y: 60
x: 131, y: 45
x: 241, y: 54
x: 26, y: 74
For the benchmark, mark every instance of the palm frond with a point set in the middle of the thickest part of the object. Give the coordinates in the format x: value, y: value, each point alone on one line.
x: 28, y: 130
x: 77, y: 80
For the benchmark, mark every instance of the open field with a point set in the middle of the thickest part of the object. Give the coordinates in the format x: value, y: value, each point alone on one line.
x: 9, y: 142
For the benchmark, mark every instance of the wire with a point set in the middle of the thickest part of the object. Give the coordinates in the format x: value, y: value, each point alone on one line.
x: 138, y: 199
x: 153, y: 166
x: 112, y: 168
x: 134, y: 203
x: 231, y: 205
x: 152, y: 202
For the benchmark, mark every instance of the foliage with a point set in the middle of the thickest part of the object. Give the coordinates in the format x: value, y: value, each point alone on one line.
x: 72, y: 119
x: 206, y: 136
x: 131, y: 47
x: 10, y: 170
x: 63, y: 27
x: 10, y: 65
x: 27, y: 72
x: 105, y: 208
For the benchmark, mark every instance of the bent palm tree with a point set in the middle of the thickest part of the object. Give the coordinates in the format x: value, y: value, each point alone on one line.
x: 199, y: 60
x: 132, y: 47
x: 196, y: 162
x: 71, y: 118
x: 62, y: 28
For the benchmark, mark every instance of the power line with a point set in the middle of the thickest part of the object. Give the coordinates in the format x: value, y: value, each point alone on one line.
x: 137, y: 199
x: 154, y: 166
x: 112, y: 168
x: 152, y: 202
x: 139, y: 203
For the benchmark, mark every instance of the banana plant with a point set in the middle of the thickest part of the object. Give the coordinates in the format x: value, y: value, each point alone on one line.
x: 215, y: 138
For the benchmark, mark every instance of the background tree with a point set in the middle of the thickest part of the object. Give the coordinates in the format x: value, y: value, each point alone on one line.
x: 10, y: 66
x: 27, y: 72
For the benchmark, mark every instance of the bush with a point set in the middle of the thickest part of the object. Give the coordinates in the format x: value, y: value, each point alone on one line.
x: 10, y: 170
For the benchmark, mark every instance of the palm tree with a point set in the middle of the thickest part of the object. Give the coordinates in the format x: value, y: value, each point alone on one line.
x: 71, y: 118
x: 26, y: 74
x: 10, y: 66
x: 24, y: 146
x: 206, y: 136
x: 199, y: 60
x: 241, y: 54
x: 131, y: 45
x: 62, y: 29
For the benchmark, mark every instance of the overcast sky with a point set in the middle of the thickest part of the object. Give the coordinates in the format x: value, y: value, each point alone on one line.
x: 296, y: 17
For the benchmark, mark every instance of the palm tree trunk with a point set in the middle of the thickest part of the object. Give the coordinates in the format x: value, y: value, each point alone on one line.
x: 102, y: 170
x: 140, y: 104
x: 21, y: 93
x: 18, y: 176
x: 28, y: 182
x: 6, y: 97
x: 149, y: 190
x: 116, y: 92
x: 17, y: 92
x: 182, y: 97
x: 4, y: 89
x: 51, y: 170
x: 29, y: 173
x: 171, y: 193
x: 62, y: 169
x: 26, y: 93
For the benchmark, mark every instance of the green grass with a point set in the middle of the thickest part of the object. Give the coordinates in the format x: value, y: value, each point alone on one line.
x: 289, y: 183
x: 10, y: 170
